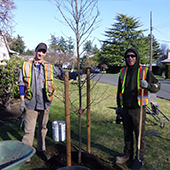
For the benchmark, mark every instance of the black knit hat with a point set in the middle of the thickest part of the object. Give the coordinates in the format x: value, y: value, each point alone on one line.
x: 132, y: 49
x: 41, y: 46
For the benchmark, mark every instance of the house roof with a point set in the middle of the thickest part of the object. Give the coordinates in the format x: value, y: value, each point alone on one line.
x: 166, y: 60
x: 157, y: 63
x: 6, y: 44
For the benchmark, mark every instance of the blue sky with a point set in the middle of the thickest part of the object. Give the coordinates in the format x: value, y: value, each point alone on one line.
x: 35, y: 19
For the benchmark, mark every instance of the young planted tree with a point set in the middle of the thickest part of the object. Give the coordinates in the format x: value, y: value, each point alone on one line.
x: 81, y: 16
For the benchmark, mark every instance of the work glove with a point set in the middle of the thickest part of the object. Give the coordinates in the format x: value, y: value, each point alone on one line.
x: 22, y: 106
x: 143, y: 84
x: 118, y: 110
x: 119, y: 118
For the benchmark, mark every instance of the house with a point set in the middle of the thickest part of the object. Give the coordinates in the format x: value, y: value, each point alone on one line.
x: 167, y: 60
x: 5, y: 51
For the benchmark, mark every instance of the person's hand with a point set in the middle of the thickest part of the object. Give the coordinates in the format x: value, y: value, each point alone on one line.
x: 143, y: 84
x: 22, y: 106
x: 119, y: 118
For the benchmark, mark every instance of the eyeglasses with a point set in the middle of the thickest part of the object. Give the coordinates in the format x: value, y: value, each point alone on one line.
x: 131, y: 55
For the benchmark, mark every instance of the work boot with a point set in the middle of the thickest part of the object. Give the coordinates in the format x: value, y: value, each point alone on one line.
x: 122, y: 159
x: 44, y: 155
x: 27, y: 163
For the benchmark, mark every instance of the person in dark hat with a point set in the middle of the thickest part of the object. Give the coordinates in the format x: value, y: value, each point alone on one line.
x: 36, y: 93
x: 128, y: 102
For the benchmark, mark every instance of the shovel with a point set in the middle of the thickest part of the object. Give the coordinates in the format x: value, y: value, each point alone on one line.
x: 22, y: 121
x: 138, y: 164
x: 21, y: 124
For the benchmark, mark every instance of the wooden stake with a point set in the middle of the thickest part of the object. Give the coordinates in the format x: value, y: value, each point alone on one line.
x: 88, y: 110
x: 67, y: 115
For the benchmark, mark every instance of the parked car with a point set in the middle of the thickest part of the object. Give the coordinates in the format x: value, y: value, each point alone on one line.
x: 95, y: 70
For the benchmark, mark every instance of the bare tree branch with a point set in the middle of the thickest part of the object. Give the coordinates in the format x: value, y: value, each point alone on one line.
x: 6, y: 16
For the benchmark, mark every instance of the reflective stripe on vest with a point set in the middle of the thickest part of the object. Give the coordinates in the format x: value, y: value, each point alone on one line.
x: 123, y: 73
x: 27, y: 73
x: 145, y: 95
x: 49, y: 83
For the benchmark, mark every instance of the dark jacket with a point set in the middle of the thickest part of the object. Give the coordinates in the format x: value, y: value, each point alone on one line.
x: 130, y: 93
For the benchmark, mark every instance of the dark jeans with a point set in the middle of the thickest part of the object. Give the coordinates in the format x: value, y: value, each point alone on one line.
x: 131, y: 118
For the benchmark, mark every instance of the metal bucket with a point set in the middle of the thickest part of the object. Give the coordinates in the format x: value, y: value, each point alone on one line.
x: 59, y: 128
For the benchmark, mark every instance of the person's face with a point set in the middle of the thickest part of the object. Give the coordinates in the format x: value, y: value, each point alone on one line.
x: 131, y: 58
x: 40, y: 54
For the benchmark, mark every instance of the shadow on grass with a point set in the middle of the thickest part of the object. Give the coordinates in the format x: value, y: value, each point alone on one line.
x: 112, y: 108
x: 9, y: 130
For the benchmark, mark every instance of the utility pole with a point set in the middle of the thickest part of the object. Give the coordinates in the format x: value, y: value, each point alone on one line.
x: 151, y: 41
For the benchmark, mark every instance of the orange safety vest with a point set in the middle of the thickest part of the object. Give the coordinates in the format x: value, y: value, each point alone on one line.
x: 123, y: 73
x: 49, y: 81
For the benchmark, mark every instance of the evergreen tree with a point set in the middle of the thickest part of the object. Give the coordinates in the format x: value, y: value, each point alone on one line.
x: 62, y: 45
x: 16, y: 44
x: 70, y: 46
x: 95, y: 49
x: 87, y: 47
x: 125, y: 33
x: 28, y: 52
x: 157, y: 50
x: 53, y: 43
x: 83, y: 63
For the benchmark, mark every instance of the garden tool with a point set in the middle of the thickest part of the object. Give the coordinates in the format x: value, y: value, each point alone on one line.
x: 21, y: 124
x: 22, y: 120
x: 138, y: 164
x: 154, y: 133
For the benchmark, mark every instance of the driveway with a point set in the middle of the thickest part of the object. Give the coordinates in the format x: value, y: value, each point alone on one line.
x: 113, y: 80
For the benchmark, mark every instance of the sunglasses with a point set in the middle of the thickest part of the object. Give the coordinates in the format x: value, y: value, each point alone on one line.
x: 43, y: 51
x: 131, y: 55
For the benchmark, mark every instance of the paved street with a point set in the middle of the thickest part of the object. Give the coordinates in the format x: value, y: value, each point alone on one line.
x: 113, y: 80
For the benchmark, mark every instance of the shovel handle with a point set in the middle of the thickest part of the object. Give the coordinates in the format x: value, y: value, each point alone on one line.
x: 21, y: 124
x: 140, y: 122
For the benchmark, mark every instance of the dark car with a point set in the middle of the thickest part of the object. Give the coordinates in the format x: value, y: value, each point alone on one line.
x: 95, y: 70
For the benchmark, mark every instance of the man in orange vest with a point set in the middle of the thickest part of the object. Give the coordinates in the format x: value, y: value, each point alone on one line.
x: 36, y: 93
x: 128, y: 102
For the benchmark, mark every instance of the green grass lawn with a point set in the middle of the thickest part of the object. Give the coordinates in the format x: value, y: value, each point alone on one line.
x: 106, y: 138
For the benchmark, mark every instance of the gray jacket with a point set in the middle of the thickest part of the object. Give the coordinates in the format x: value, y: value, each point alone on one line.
x: 39, y: 100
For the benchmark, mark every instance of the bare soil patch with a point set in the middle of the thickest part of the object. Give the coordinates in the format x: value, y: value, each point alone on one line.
x: 10, y: 115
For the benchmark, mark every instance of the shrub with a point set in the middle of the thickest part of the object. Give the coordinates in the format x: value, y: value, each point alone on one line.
x: 9, y: 73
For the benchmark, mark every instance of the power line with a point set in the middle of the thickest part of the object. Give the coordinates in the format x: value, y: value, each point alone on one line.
x: 163, y: 41
x: 162, y: 33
